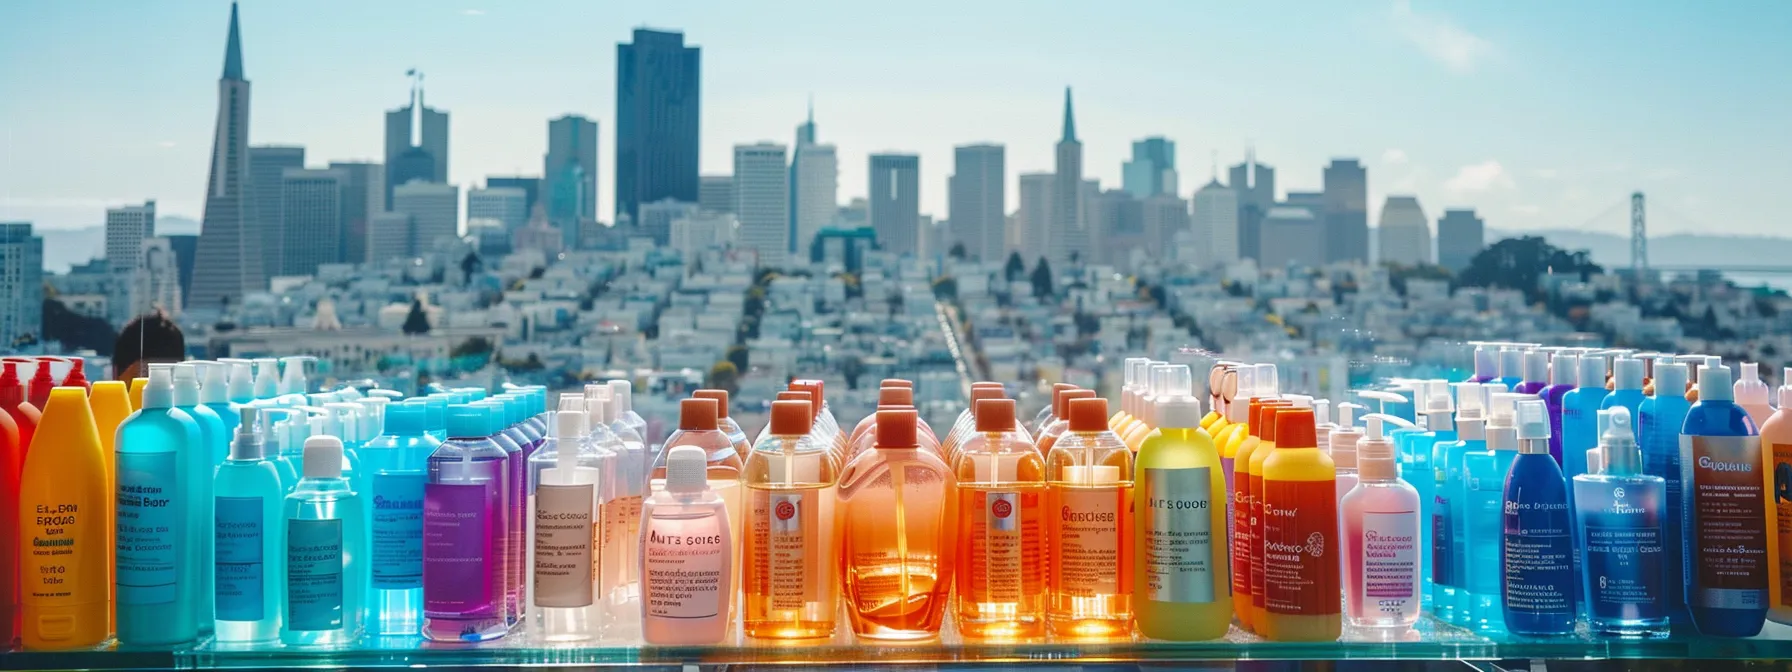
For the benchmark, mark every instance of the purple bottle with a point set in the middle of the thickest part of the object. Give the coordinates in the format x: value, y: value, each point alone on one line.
x: 465, y: 532
x: 517, y: 464
x: 1564, y: 377
x: 1536, y: 372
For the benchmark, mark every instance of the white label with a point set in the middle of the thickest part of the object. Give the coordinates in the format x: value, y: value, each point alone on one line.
x: 1178, y: 534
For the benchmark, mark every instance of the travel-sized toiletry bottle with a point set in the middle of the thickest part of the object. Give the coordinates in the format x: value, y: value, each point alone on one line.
x: 1726, y: 489
x: 324, y: 555
x: 1537, y: 566
x: 564, y: 532
x: 159, y: 451
x: 1620, y: 509
x: 790, y: 546
x: 247, y: 531
x: 1381, y: 539
x: 686, y: 580
x: 63, y: 510
x: 899, y: 534
x: 1001, y: 541
x: 1089, y: 480
x: 1181, y: 576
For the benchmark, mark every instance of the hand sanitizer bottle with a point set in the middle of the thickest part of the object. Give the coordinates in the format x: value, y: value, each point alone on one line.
x: 1620, y: 511
x: 324, y: 561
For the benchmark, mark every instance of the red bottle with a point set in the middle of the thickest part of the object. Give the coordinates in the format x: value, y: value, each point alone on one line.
x: 12, y: 462
x: 77, y: 374
x: 42, y: 383
x: 12, y: 403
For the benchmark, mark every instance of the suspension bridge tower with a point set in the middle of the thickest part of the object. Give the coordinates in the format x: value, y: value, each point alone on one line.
x: 1639, y: 238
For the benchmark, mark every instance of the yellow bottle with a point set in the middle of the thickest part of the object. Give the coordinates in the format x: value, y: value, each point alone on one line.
x: 111, y: 404
x: 1181, y: 577
x: 64, y: 512
x: 1300, y: 535
x: 137, y: 385
x: 1266, y: 444
x: 1241, y: 514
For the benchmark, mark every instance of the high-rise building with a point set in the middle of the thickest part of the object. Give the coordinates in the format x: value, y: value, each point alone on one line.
x: 155, y: 281
x: 814, y: 188
x: 1255, y: 186
x: 363, y: 196
x: 762, y: 201
x: 977, y: 200
x: 390, y: 236
x: 1291, y: 235
x: 184, y: 247
x: 715, y: 193
x: 700, y: 229
x: 1405, y: 234
x: 126, y: 229
x: 312, y: 219
x: 570, y: 169
x: 1036, y: 205
x: 658, y: 108
x: 1068, y: 232
x: 1116, y: 225
x: 509, y: 206
x: 1215, y: 222
x: 1164, y: 216
x: 416, y: 143
x: 531, y: 187
x: 1460, y: 236
x: 434, y: 210
x: 657, y: 217
x: 1346, y: 213
x: 267, y: 167
x: 1152, y: 170
x: 21, y: 284
x: 228, y: 262
x: 895, y: 197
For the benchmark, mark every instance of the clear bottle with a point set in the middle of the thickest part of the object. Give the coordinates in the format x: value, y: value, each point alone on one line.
x: 464, y: 532
x: 1061, y: 423
x: 248, y: 527
x: 605, y: 448
x: 564, y: 531
x: 393, y: 468
x: 726, y: 423
x: 1537, y: 571
x: 1089, y: 484
x: 516, y: 507
x: 216, y: 439
x: 898, y: 534
x: 159, y: 453
x: 687, y: 541
x: 1621, y: 532
x: 1181, y: 577
x: 324, y: 558
x: 699, y: 425
x: 1299, y: 539
x: 63, y: 572
x: 631, y: 487
x: 790, y: 551
x: 1000, y: 477
x: 1381, y: 539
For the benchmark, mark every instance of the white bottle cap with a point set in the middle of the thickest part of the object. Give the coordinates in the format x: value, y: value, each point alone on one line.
x: 1471, y: 402
x: 1375, y: 452
x: 323, y: 457
x: 1749, y: 389
x: 569, y: 423
x: 1592, y: 371
x: 1627, y: 374
x: 214, y: 385
x: 1786, y: 389
x: 267, y: 378
x: 186, y: 384
x: 1536, y: 366
x: 1670, y: 379
x: 1511, y: 363
x: 242, y: 381
x: 622, y: 393
x: 1269, y: 381
x: 1714, y: 384
x: 1564, y: 369
x: 687, y: 469
x: 159, y: 391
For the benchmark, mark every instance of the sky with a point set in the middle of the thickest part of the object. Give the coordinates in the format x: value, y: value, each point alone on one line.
x: 1539, y: 113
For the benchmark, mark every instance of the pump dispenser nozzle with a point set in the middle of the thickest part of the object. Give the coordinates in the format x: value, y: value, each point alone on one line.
x: 248, y: 445
x: 267, y: 378
x: 1628, y: 374
x: 293, y: 379
x: 1617, y: 444
x: 1533, y: 426
x: 1375, y: 453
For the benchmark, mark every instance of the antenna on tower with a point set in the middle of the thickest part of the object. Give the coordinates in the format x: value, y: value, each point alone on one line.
x: 1639, y: 238
x: 1214, y: 157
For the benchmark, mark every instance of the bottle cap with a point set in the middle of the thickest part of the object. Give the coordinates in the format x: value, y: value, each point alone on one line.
x: 978, y: 395
x: 1295, y: 429
x: 995, y: 415
x: 1471, y: 404
x: 1628, y: 374
x: 1502, y: 409
x: 1269, y: 381
x: 687, y: 469
x: 791, y: 418
x: 896, y: 396
x: 898, y: 428
x: 622, y: 396
x: 247, y: 444
x: 1063, y: 409
x: 1564, y: 369
x: 1244, y: 378
x: 1536, y: 366
x: 1592, y: 371
x: 373, y: 416
x: 596, y: 410
x: 1270, y: 429
x: 1375, y: 453
x: 1178, y: 410
x: 1749, y: 390
x: 798, y: 395
x: 186, y: 384
x: 1343, y: 442
x: 1088, y: 413
x: 816, y: 389
x: 466, y: 421
x: 407, y: 418
x: 1670, y: 379
x: 1486, y: 365
x: 1618, y: 443
x: 1533, y: 427
x: 347, y: 420
x: 1714, y: 384
x: 1596, y: 460
x: 697, y: 415
x: 719, y: 396
x: 1511, y: 362
x: 898, y: 382
x: 159, y: 391
x: 569, y: 421
x: 323, y: 457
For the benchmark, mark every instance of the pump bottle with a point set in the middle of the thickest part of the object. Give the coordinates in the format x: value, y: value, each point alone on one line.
x: 158, y: 453
x: 1538, y: 576
x: 1001, y: 545
x: 1726, y: 490
x: 564, y: 531
x: 250, y: 566
x: 1181, y: 573
x: 1381, y: 539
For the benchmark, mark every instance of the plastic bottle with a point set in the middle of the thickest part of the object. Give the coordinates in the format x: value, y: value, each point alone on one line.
x: 1752, y: 394
x: 1246, y: 485
x: 897, y: 546
x: 250, y: 567
x: 726, y: 423
x: 1726, y: 489
x: 1538, y: 596
x: 1658, y: 432
x: 1449, y: 554
x: 1266, y: 445
x: 1422, y: 452
x: 393, y: 473
x: 1536, y: 373
x: 1049, y: 414
x: 1621, y: 512
x: 1061, y: 425
x: 602, y: 447
x: 564, y: 532
x: 515, y: 508
x: 111, y: 404
x: 685, y: 532
x: 1381, y: 539
x: 1300, y: 513
x: 465, y: 532
x: 1001, y: 546
x: 1343, y: 444
x: 325, y: 561
x: 1089, y: 483
x: 1481, y: 498
x: 216, y: 441
x: 631, y: 488
x: 699, y: 426
x: 158, y: 452
x: 12, y: 464
x: 13, y: 403
x: 790, y: 551
x: 1181, y: 574
x: 1776, y: 445
x: 38, y: 390
x: 63, y: 512
x: 1564, y: 377
x: 1147, y: 422
x: 1627, y: 390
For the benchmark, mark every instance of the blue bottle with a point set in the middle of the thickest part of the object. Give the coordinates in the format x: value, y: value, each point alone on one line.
x: 1511, y: 367
x: 516, y: 461
x: 250, y: 569
x: 393, y: 469
x: 1481, y: 507
x: 158, y: 546
x: 1537, y: 565
x: 216, y: 442
x: 1621, y: 510
x: 1627, y: 389
x: 438, y: 415
x: 517, y: 415
x: 285, y: 450
x: 1725, y: 512
x: 1564, y: 372
x: 465, y: 533
x: 1580, y: 408
x: 214, y: 393
x: 1449, y: 538
x: 325, y: 564
x: 1663, y: 415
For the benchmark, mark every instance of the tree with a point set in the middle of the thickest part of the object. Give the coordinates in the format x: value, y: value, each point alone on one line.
x: 1042, y: 279
x: 475, y: 351
x: 724, y: 376
x: 957, y: 252
x: 416, y: 323
x: 737, y: 355
x: 1015, y: 268
x: 1521, y: 263
x: 945, y: 288
x: 469, y: 265
x: 75, y: 331
x: 1398, y: 274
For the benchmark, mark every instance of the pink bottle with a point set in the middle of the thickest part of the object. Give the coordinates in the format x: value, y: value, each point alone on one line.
x: 1381, y: 540
x: 686, y: 551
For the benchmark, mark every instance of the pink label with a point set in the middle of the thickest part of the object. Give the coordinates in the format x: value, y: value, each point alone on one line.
x: 687, y: 569
x: 1390, y: 558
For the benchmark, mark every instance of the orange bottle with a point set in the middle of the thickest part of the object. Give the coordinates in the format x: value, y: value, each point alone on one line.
x: 1060, y: 426
x: 63, y: 512
x: 1266, y: 446
x: 1300, y: 535
x: 966, y: 423
x: 1001, y: 543
x: 1089, y: 527
x: 1049, y: 414
x: 111, y: 405
x: 789, y: 550
x: 900, y: 522
x: 12, y: 461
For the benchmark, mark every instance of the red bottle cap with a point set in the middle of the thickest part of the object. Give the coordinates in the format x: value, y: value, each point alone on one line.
x: 990, y: 384
x: 1088, y: 413
x: 76, y: 374
x: 981, y: 393
x: 1268, y: 417
x: 995, y: 415
x: 1295, y: 429
x: 41, y: 383
x: 720, y: 397
x: 897, y: 382
x: 1061, y: 409
x: 795, y: 395
x: 896, y: 428
x: 816, y: 389
x: 895, y: 396
x: 791, y: 418
x: 697, y: 415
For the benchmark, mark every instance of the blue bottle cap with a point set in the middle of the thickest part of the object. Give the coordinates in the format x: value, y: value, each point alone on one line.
x: 409, y: 418
x: 436, y: 418
x: 472, y: 393
x: 468, y: 421
x: 515, y: 408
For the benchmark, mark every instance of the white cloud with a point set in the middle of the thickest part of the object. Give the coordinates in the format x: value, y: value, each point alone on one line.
x: 472, y: 12
x: 1485, y: 176
x: 1441, y: 39
x: 1393, y: 157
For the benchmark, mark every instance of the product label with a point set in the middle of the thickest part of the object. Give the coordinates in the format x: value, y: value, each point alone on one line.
x: 1441, y: 540
x: 47, y: 566
x: 313, y: 574
x: 1539, y: 576
x: 563, y: 545
x: 1087, y: 551
x: 1729, y: 510
x: 1621, y: 528
x: 463, y: 549
x: 1242, y: 541
x: 615, y: 541
x: 1389, y: 558
x: 1782, y: 500
x: 784, y: 524
x: 240, y: 565
x: 1002, y: 546
x: 1300, y: 547
x: 1178, y: 535
x: 397, y: 532
x: 150, y: 527
x: 687, y: 569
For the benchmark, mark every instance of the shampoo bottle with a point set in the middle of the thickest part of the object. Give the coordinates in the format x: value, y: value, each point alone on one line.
x: 1449, y: 553
x: 464, y: 532
x: 1658, y: 433
x: 516, y: 504
x: 564, y: 532
x: 393, y: 472
x: 63, y: 511
x: 1181, y: 577
x: 1089, y: 484
x: 1776, y: 445
x: 1726, y: 488
x: 324, y: 561
x: 686, y: 542
x: 1302, y: 595
x: 216, y: 441
x: 1381, y: 539
x: 1621, y: 512
x: 250, y: 567
x: 899, y: 538
x: 1564, y: 374
x: 158, y: 452
x: 1482, y: 506
x: 790, y: 549
x: 1537, y: 553
x: 1001, y: 546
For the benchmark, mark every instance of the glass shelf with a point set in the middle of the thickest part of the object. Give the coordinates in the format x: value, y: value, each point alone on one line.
x: 1429, y: 641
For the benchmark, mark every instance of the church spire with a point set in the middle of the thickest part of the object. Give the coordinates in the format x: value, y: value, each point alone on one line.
x: 1069, y: 119
x: 233, y: 50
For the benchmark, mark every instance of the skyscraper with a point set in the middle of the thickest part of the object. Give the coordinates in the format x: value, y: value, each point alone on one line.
x: 1216, y: 215
x: 1152, y: 170
x: 434, y: 210
x: 657, y: 120
x: 363, y: 196
x: 1405, y: 234
x: 762, y: 201
x: 1116, y: 223
x: 228, y: 261
x: 570, y: 170
x: 657, y: 217
x: 126, y: 229
x: 390, y: 236
x: 416, y: 142
x: 509, y: 206
x: 312, y: 219
x: 21, y: 284
x: 814, y: 187
x: 1165, y: 216
x: 1036, y: 206
x: 1460, y: 236
x: 1291, y: 235
x: 977, y: 200
x: 715, y: 193
x: 267, y: 166
x: 1346, y: 214
x: 1068, y: 233
x: 1255, y: 185
x: 895, y: 199
x: 531, y: 187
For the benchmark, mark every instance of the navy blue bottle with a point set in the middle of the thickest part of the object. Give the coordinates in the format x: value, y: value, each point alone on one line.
x: 1537, y: 561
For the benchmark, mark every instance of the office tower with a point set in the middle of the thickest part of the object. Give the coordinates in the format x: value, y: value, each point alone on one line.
x: 1311, y: 200
x: 699, y: 230
x: 657, y: 114
x: 390, y: 236
x: 363, y: 196
x: 1036, y: 205
x: 228, y: 261
x: 1460, y: 236
x: 1164, y: 217
x: 854, y: 215
x: 762, y: 201
x: 312, y: 219
x: 1346, y: 213
x: 1068, y: 234
x: 814, y: 187
x: 715, y: 193
x: 895, y: 198
x: 416, y: 143
x: 1405, y: 235
x: 508, y: 206
x: 1152, y: 170
x: 184, y: 246
x: 570, y: 169
x: 154, y: 282
x: 1116, y: 224
x: 1216, y: 215
x: 657, y: 217
x: 21, y: 284
x: 126, y: 229
x: 434, y: 210
x: 267, y: 168
x: 977, y: 200
x: 1291, y: 235
x: 531, y: 187
x: 1255, y: 186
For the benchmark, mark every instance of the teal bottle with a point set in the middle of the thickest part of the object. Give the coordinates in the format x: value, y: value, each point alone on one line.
x: 204, y: 464
x: 1627, y: 390
x: 214, y: 393
x: 1580, y: 415
x: 158, y: 547
x: 1659, y: 437
x: 437, y: 405
x: 1449, y: 537
x: 279, y: 434
x: 250, y: 560
x: 393, y: 471
x: 325, y: 565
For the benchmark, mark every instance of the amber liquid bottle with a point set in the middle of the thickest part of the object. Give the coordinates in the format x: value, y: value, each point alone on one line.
x: 1089, y: 527
x: 1001, y: 540
x: 789, y: 551
x: 897, y: 541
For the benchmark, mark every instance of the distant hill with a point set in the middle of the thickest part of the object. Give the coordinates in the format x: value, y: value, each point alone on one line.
x: 64, y: 248
x: 1680, y: 249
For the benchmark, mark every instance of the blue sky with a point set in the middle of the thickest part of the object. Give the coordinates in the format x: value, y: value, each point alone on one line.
x: 1542, y: 114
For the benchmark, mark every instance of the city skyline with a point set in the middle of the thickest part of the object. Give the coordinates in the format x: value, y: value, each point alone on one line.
x: 1699, y: 176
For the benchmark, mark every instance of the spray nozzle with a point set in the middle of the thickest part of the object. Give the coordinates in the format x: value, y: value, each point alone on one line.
x: 1749, y: 389
x: 1618, y: 449
x: 1532, y: 419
